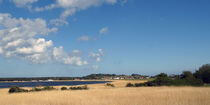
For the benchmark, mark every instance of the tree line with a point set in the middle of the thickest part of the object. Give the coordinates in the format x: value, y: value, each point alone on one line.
x: 187, y: 78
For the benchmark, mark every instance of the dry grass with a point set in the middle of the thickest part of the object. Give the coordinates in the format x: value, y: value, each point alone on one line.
x: 99, y: 94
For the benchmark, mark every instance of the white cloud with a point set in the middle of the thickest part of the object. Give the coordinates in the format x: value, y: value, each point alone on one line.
x: 71, y: 7
x: 97, y: 56
x: 58, y: 22
x: 83, y: 4
x: 101, y: 51
x: 75, y: 4
x: 48, y: 7
x: 21, y: 38
x: 104, y: 30
x: 83, y: 38
x: 22, y: 3
x: 17, y: 38
x: 62, y: 57
x: 62, y: 20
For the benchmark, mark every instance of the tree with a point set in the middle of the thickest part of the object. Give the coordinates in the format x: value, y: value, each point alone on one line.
x: 203, y: 73
x: 162, y: 75
x: 187, y: 75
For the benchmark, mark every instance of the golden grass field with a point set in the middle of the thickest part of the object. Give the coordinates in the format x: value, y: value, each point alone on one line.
x: 99, y: 94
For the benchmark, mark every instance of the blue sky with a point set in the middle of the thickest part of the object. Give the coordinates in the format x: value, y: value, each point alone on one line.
x: 80, y: 37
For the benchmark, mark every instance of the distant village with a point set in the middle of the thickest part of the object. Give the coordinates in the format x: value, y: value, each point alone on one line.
x: 115, y: 77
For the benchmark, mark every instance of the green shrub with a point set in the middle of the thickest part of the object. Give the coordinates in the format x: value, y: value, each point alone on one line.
x: 16, y: 89
x: 42, y: 88
x: 109, y: 84
x: 79, y: 88
x: 48, y: 88
x: 130, y: 85
x: 63, y: 88
x: 139, y: 84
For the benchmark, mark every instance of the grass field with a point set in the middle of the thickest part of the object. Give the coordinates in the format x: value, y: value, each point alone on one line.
x: 99, y: 94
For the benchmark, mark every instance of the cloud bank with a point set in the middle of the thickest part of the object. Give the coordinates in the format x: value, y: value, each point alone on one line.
x: 22, y: 39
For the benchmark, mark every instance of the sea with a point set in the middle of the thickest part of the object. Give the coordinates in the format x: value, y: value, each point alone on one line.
x: 48, y: 83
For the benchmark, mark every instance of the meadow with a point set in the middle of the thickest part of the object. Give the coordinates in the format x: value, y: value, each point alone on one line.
x: 100, y: 94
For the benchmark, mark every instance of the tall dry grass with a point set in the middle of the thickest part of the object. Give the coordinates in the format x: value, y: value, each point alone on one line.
x: 103, y: 95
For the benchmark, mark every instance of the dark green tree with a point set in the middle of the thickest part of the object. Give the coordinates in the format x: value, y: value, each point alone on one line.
x: 162, y: 75
x: 187, y: 75
x: 203, y: 73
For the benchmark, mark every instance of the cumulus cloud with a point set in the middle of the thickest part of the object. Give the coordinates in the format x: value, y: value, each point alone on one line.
x: 64, y: 58
x: 17, y: 38
x: 97, y: 56
x: 104, y: 30
x: 83, y: 38
x: 20, y: 38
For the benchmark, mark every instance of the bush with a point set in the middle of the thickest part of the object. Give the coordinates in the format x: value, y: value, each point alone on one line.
x: 109, y: 84
x: 130, y: 85
x: 203, y: 73
x: 139, y: 84
x: 16, y: 89
x: 42, y: 88
x: 48, y: 88
x: 63, y: 88
x: 36, y: 89
x: 187, y: 74
x: 79, y: 88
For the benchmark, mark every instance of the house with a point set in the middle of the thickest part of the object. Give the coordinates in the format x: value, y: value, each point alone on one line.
x: 116, y: 78
x: 50, y: 80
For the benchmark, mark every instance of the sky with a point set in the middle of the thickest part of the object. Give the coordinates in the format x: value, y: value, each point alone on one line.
x: 40, y: 38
